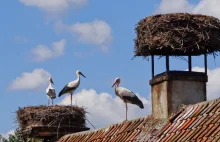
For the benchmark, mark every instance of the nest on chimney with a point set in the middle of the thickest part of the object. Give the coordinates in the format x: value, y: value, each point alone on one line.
x: 49, y: 117
x: 177, y: 34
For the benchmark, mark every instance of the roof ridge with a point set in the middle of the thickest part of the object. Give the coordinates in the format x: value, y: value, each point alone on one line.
x: 104, y: 128
x: 205, y: 102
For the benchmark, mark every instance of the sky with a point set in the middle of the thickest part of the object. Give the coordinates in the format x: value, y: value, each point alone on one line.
x: 41, y: 39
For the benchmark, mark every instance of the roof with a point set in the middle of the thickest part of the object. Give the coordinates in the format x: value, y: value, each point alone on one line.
x: 177, y: 34
x: 192, y: 123
x: 199, y: 122
x: 127, y: 130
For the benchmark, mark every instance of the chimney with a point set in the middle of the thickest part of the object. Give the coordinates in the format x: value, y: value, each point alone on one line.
x: 172, y: 89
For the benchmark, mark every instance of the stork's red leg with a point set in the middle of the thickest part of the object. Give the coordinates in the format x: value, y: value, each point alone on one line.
x: 126, y: 111
x: 71, y: 98
x: 48, y: 101
x: 52, y: 102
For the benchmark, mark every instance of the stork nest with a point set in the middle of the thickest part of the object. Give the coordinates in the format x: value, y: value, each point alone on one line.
x: 50, y: 116
x: 177, y: 34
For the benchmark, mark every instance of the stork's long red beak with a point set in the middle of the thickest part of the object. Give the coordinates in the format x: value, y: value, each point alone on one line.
x: 114, y: 84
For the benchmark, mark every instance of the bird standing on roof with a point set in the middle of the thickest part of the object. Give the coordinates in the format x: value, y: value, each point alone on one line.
x: 126, y: 95
x: 71, y: 86
x: 51, y: 94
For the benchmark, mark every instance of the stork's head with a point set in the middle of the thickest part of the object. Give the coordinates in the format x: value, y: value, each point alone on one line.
x: 117, y: 81
x: 80, y: 73
x: 51, y: 80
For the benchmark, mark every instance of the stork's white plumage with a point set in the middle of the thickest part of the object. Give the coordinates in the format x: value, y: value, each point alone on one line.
x: 71, y: 86
x: 126, y: 95
x: 51, y: 94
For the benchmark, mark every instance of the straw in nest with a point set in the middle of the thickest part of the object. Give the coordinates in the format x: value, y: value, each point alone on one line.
x: 178, y: 34
x: 31, y: 116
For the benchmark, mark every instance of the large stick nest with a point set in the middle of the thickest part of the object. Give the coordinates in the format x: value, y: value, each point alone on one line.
x: 50, y: 116
x: 177, y: 34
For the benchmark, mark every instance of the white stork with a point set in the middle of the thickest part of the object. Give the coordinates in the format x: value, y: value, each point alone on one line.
x: 71, y: 86
x: 126, y: 95
x: 51, y: 94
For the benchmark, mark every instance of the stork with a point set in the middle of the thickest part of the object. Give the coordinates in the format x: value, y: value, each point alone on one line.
x: 51, y: 94
x: 126, y: 95
x: 71, y: 86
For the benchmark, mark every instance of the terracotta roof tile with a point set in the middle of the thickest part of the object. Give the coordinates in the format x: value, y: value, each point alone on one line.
x: 199, y: 122
x: 127, y: 130
x: 179, y: 134
x: 196, y: 123
x: 211, y: 130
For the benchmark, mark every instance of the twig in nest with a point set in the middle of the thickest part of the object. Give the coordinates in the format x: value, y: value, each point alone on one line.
x: 159, y: 57
x: 58, y: 128
x: 182, y: 58
x: 91, y: 124
x: 214, y: 58
x: 133, y: 57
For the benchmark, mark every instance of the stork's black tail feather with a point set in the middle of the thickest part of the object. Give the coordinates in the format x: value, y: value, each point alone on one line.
x: 60, y: 94
x: 140, y: 104
x: 62, y: 91
x: 134, y: 100
x: 65, y: 90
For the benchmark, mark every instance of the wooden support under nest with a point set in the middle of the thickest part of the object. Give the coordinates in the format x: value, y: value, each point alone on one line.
x: 167, y: 63
x: 190, y: 63
x: 52, y: 132
x: 205, y: 60
x: 152, y: 65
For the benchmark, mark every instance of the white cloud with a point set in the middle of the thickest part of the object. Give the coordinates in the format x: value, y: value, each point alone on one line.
x: 213, y: 85
x: 11, y: 132
x: 105, y: 109
x: 207, y: 7
x: 54, y: 7
x: 171, y: 6
x: 42, y: 52
x: 97, y: 32
x: 36, y: 79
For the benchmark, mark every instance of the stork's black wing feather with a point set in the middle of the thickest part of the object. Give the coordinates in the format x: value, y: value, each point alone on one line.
x: 134, y: 100
x: 52, y: 93
x: 65, y: 90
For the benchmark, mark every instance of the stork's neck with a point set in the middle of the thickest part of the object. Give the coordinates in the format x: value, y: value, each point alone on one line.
x: 50, y: 85
x: 116, y: 86
x: 78, y: 77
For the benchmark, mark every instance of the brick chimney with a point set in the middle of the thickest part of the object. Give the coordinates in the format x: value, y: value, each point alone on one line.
x: 174, y: 88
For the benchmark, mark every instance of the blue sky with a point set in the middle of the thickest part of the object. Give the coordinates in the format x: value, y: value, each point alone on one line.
x: 27, y: 27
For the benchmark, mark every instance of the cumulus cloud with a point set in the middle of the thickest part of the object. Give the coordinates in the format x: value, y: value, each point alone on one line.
x: 207, y: 7
x: 36, y: 79
x: 106, y: 109
x: 97, y: 32
x: 213, y: 89
x: 171, y: 6
x: 42, y: 52
x: 54, y: 7
x: 11, y: 132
